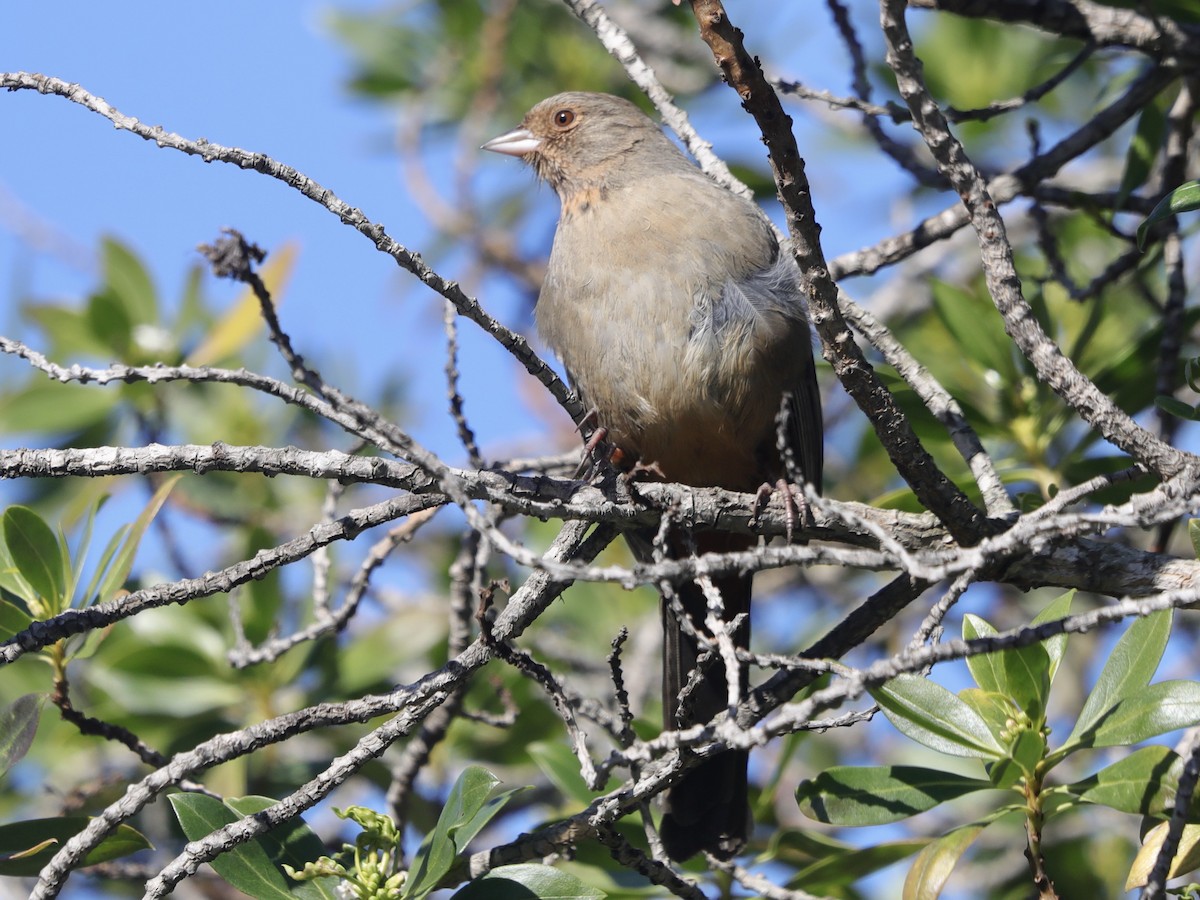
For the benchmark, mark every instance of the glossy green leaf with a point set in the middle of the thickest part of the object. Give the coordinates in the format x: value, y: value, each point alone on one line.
x: 1142, y: 783
x: 1194, y: 535
x: 25, y: 847
x: 1021, y: 673
x: 1005, y: 773
x: 1129, y: 668
x: 18, y: 725
x: 293, y: 843
x: 997, y: 710
x: 1159, y: 708
x: 876, y: 795
x: 35, y: 552
x: 66, y: 326
x: 1184, y: 198
x: 248, y: 866
x: 1056, y: 646
x: 1027, y: 674
x: 528, y: 880
x: 1028, y: 750
x: 985, y: 668
x: 933, y: 716
x: 933, y: 866
x: 472, y: 802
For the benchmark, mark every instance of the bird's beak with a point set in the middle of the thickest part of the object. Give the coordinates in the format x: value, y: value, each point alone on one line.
x: 517, y: 142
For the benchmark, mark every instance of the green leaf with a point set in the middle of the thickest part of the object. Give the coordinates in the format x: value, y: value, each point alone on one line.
x: 976, y: 330
x: 1005, y: 773
x: 997, y: 710
x: 82, y: 544
x: 1142, y: 783
x: 559, y: 764
x: 1184, y: 198
x: 25, y: 847
x: 984, y: 667
x: 933, y: 866
x: 838, y: 870
x: 798, y: 847
x: 1027, y: 673
x: 115, y: 575
x: 248, y: 866
x: 36, y: 553
x: 48, y: 406
x: 1162, y: 707
x: 293, y: 843
x: 13, y: 620
x: 1021, y: 673
x: 473, y: 801
x: 525, y: 881
x: 876, y: 795
x: 108, y: 321
x: 933, y: 716
x: 1058, y: 608
x: 1194, y: 535
x: 18, y: 725
x: 1028, y: 750
x: 130, y: 283
x: 1143, y: 149
x: 1176, y: 408
x: 1128, y: 670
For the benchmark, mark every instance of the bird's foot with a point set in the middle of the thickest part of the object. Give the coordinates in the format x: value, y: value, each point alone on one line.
x: 641, y: 469
x: 795, y: 507
x: 596, y: 449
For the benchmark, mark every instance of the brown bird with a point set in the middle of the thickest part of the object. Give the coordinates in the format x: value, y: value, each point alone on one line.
x: 683, y: 328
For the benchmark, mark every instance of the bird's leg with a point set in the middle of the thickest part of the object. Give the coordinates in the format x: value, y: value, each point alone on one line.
x: 795, y: 507
x: 592, y: 454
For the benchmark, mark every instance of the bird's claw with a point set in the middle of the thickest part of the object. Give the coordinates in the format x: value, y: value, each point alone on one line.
x: 795, y: 506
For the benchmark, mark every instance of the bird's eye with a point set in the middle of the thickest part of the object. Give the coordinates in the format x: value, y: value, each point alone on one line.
x: 563, y: 118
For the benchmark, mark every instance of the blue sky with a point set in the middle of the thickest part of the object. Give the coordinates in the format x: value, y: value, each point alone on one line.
x: 262, y: 77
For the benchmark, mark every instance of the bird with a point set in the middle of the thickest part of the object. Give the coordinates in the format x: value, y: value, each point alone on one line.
x: 682, y: 326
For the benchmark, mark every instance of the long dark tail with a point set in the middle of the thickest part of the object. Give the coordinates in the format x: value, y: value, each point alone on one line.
x: 708, y: 809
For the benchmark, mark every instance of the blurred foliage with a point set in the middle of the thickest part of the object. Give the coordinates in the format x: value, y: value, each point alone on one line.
x: 446, y: 55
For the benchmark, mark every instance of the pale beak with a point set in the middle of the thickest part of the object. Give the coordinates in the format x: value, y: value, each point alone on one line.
x: 517, y: 142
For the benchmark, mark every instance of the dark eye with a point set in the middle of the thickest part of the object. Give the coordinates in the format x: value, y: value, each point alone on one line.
x: 564, y: 117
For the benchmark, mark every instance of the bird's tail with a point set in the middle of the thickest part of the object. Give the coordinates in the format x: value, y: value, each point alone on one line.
x: 708, y: 808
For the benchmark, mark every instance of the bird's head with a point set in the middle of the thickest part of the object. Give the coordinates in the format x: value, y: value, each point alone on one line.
x: 580, y: 141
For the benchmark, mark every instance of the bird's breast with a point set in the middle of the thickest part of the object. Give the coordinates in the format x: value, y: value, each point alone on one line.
x: 634, y: 305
